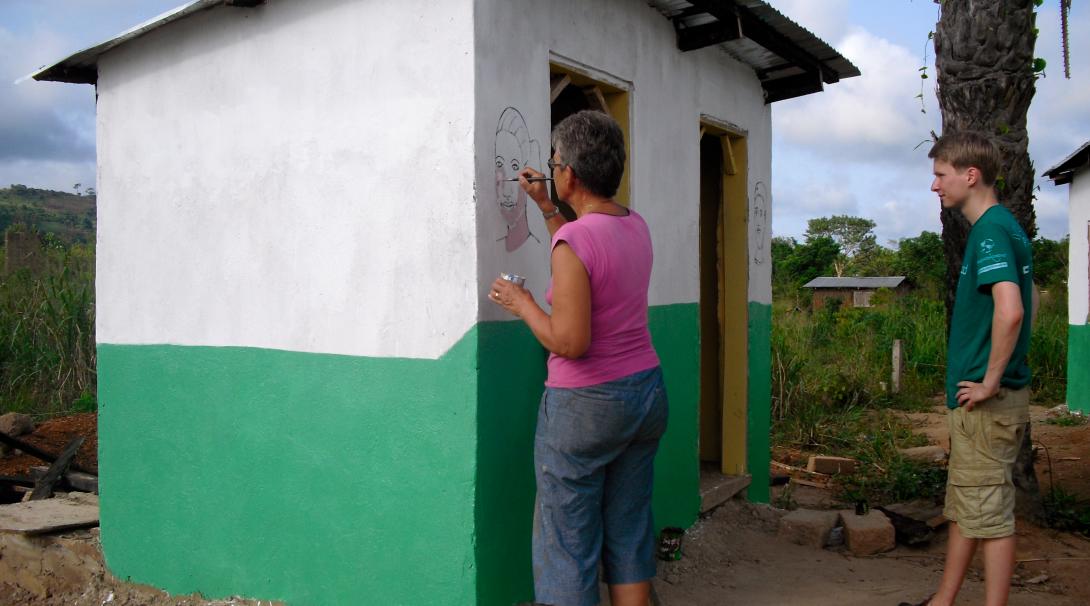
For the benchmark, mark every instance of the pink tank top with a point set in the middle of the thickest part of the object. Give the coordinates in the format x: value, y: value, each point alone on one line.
x: 616, y: 252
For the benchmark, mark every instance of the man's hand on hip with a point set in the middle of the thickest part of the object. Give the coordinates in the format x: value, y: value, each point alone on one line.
x: 970, y: 394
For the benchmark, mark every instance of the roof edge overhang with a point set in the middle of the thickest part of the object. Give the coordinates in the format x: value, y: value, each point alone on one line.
x: 82, y: 67
x: 789, y: 60
x: 1064, y: 172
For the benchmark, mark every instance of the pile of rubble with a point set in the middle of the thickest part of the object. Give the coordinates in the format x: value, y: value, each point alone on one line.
x: 864, y: 531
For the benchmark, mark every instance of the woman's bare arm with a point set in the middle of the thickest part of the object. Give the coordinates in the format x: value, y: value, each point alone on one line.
x: 566, y: 332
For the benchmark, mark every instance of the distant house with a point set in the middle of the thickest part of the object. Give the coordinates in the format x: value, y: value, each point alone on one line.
x: 853, y: 292
x: 1075, y: 170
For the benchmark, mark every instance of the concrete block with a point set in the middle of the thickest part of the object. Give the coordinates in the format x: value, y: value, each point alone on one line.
x: 926, y: 454
x: 830, y: 465
x: 808, y: 527
x: 868, y: 534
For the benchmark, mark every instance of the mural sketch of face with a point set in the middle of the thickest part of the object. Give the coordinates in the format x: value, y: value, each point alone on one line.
x: 514, y: 150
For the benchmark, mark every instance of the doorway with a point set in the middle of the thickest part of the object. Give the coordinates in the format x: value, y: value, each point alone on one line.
x: 724, y: 282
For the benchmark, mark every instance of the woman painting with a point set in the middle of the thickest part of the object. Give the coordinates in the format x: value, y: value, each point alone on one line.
x: 604, y: 408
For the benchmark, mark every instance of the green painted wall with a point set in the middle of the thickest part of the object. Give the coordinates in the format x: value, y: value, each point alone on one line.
x: 759, y: 416
x: 675, y: 331
x: 321, y: 479
x: 512, y: 374
x: 1078, y: 368
x: 314, y: 479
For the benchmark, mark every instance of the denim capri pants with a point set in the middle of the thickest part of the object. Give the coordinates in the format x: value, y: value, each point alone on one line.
x: 594, y: 454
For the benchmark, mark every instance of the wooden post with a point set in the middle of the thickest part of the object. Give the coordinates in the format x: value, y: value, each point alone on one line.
x: 898, y: 366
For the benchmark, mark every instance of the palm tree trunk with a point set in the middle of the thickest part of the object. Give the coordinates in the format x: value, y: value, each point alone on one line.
x: 984, y: 64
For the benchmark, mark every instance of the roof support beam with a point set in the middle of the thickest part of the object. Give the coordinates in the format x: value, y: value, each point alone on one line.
x: 793, y: 86
x: 708, y: 34
x: 727, y: 27
x: 759, y: 31
x: 736, y: 21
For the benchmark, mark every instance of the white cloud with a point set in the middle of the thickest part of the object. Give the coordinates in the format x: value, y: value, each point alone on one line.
x: 827, y: 19
x: 875, y: 117
x: 1051, y: 209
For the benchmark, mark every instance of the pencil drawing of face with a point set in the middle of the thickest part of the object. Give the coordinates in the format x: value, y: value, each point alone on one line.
x: 514, y: 150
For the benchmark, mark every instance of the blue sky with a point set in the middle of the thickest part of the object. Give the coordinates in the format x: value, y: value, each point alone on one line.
x: 848, y: 150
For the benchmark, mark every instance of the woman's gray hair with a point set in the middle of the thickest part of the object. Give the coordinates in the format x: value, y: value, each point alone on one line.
x: 592, y: 144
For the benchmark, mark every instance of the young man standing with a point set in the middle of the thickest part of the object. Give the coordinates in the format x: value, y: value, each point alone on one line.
x: 987, y: 376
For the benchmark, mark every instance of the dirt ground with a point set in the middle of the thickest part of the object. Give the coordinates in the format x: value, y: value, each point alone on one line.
x: 732, y: 556
x: 52, y: 436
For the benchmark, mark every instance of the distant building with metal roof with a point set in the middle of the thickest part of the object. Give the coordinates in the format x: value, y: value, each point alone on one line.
x: 855, y: 282
x: 853, y: 291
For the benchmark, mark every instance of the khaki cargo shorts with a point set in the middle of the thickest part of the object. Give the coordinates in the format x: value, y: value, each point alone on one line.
x: 984, y: 444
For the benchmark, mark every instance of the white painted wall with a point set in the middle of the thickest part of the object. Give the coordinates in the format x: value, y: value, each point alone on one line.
x: 1078, y: 270
x: 670, y: 92
x: 297, y: 176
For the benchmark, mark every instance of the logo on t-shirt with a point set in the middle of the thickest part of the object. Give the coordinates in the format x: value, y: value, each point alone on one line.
x: 987, y: 246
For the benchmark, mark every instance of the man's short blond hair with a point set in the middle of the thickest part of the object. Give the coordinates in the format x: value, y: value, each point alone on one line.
x: 967, y: 149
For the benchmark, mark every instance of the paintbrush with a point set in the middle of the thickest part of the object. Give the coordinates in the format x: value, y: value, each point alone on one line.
x: 531, y: 179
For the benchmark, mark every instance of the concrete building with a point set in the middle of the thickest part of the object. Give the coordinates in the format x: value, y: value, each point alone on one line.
x: 852, y: 291
x: 304, y: 392
x: 1075, y: 171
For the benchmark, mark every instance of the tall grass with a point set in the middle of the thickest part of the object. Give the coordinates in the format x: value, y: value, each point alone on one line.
x: 1048, y: 350
x: 831, y: 375
x: 47, y: 335
x: 837, y: 359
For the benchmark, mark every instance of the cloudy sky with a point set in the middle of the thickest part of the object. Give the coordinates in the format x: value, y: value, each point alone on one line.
x: 849, y: 150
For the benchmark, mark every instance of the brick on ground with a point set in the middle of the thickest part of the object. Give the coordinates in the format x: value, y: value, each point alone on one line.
x: 868, y: 534
x: 926, y: 454
x: 830, y: 465
x: 808, y: 527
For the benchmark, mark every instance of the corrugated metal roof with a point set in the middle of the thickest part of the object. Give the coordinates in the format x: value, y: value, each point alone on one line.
x: 82, y: 67
x: 871, y: 282
x: 1065, y: 170
x: 771, y: 67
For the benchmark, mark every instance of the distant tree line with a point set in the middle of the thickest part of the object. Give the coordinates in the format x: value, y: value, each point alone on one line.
x: 843, y: 245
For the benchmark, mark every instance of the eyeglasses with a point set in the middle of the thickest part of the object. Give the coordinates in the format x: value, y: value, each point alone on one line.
x: 554, y: 165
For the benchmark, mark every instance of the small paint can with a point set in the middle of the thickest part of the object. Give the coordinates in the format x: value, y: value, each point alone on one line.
x: 670, y: 543
x: 515, y: 279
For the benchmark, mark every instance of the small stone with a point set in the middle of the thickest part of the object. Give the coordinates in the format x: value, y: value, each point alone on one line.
x: 926, y: 454
x: 16, y: 424
x: 868, y: 534
x: 1037, y: 580
x: 807, y: 527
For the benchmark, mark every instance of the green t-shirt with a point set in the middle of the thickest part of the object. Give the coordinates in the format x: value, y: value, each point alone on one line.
x: 998, y: 251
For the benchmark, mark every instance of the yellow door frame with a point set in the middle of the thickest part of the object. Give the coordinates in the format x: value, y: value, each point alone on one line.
x: 725, y: 402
